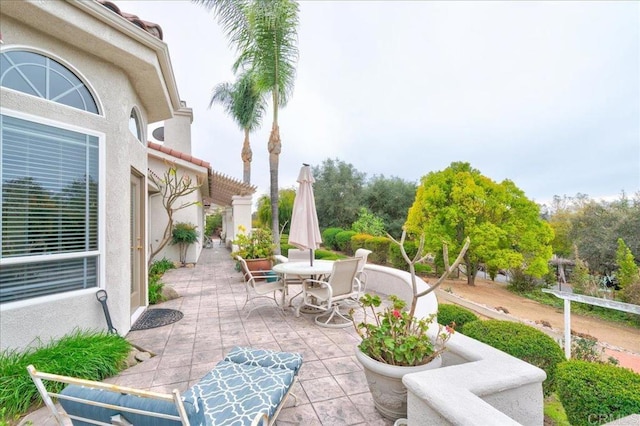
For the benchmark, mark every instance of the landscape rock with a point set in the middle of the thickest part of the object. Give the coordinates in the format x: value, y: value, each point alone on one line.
x: 168, y: 293
x: 143, y: 356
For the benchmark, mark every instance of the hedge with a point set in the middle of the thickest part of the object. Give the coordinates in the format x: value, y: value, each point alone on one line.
x: 395, y: 255
x: 521, y: 341
x: 343, y: 240
x: 379, y: 247
x: 359, y: 241
x: 448, y: 313
x: 594, y: 393
x: 329, y: 238
x: 328, y: 255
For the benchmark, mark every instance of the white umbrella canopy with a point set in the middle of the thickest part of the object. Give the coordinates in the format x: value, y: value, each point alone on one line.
x: 304, y: 232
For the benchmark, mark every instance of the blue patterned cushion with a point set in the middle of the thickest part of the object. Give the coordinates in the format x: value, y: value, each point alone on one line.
x: 195, y: 413
x: 265, y: 358
x: 234, y: 394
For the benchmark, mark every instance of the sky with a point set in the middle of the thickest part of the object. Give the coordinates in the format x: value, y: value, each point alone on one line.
x: 545, y: 94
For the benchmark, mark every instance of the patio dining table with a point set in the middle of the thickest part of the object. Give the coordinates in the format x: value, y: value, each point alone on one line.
x: 303, y: 270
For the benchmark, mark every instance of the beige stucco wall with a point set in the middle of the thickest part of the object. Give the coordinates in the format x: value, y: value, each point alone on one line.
x: 53, y: 316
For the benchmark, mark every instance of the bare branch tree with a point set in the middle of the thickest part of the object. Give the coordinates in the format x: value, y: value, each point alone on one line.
x: 419, y: 257
x: 172, y: 187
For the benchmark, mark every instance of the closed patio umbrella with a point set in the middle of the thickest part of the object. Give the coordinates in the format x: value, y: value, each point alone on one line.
x: 304, y: 232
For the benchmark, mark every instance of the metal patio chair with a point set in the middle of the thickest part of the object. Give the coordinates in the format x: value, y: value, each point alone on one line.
x: 261, y: 284
x: 328, y: 296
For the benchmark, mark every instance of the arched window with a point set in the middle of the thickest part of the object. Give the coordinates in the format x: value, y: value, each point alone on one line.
x: 40, y: 76
x: 135, y: 125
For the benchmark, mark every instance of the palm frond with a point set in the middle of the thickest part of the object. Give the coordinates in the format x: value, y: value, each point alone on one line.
x: 241, y: 100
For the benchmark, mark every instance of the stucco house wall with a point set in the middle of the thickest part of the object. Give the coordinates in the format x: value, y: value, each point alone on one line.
x: 125, y: 68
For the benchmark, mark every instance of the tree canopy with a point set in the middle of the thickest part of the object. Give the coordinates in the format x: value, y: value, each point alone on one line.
x: 504, y: 226
x: 285, y: 209
x: 593, y: 227
x: 264, y: 34
x: 338, y: 193
x: 246, y: 106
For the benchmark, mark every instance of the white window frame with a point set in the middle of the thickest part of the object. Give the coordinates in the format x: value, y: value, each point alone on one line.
x: 100, y: 253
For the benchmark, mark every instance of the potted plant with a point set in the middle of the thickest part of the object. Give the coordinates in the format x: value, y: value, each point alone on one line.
x: 256, y: 248
x: 184, y: 234
x: 395, y: 342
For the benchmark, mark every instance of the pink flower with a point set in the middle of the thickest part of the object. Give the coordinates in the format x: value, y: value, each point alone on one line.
x: 450, y: 329
x: 396, y: 313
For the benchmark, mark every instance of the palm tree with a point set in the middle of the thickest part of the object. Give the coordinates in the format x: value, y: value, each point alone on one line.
x: 244, y: 103
x: 264, y: 32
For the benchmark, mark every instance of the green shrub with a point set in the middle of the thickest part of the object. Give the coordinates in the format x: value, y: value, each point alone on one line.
x: 343, y: 241
x: 155, y: 289
x: 368, y: 223
x: 379, y: 247
x: 597, y: 393
x: 521, y: 282
x: 448, y: 313
x: 521, y: 341
x: 213, y: 222
x: 156, y: 270
x: 395, y: 255
x: 159, y: 267
x: 329, y: 255
x: 329, y: 238
x: 422, y: 268
x: 84, y: 354
x: 359, y: 241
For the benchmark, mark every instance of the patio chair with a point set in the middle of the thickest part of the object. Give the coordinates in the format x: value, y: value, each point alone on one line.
x: 296, y: 255
x: 261, y: 284
x: 329, y: 295
x: 362, y: 255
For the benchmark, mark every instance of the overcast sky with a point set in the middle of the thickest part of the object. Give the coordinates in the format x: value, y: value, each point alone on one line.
x: 546, y: 94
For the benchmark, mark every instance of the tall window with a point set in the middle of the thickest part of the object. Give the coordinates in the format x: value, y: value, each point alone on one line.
x: 38, y: 75
x: 134, y: 125
x: 49, y: 209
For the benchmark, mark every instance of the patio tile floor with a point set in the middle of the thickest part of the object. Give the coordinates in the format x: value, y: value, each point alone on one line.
x: 332, y: 389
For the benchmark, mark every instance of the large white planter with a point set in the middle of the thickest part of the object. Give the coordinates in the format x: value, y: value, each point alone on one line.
x: 385, y: 384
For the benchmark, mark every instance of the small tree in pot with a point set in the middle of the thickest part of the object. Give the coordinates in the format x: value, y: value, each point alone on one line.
x: 184, y: 234
x: 397, y: 342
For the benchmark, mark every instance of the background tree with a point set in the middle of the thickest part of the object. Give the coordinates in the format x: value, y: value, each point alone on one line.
x: 264, y: 33
x: 368, y: 223
x: 390, y: 200
x: 338, y: 193
x: 246, y: 106
x: 172, y: 187
x: 285, y: 209
x: 627, y: 273
x: 504, y: 226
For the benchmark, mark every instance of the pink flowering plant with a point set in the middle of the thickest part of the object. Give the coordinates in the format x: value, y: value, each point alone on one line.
x: 395, y: 336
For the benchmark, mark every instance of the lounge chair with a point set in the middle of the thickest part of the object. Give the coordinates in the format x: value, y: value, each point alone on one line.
x: 248, y: 387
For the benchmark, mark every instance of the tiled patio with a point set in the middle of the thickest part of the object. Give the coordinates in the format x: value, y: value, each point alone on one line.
x: 332, y: 389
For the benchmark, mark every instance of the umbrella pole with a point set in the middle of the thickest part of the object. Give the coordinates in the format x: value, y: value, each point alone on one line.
x: 311, y: 256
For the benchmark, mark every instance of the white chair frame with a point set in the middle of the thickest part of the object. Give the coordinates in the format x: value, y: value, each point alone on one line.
x: 258, y: 286
x: 341, y: 287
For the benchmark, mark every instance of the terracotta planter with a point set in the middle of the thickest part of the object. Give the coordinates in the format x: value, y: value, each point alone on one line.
x: 385, y: 384
x: 259, y: 264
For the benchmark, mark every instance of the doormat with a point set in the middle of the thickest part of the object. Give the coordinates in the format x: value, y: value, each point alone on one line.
x: 152, y: 318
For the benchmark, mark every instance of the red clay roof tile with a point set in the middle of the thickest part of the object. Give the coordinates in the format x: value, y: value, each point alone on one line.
x: 150, y: 27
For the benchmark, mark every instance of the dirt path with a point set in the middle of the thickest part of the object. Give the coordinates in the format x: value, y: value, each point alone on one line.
x: 486, y: 296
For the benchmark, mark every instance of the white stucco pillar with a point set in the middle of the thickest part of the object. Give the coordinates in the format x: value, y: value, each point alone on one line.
x: 241, y: 205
